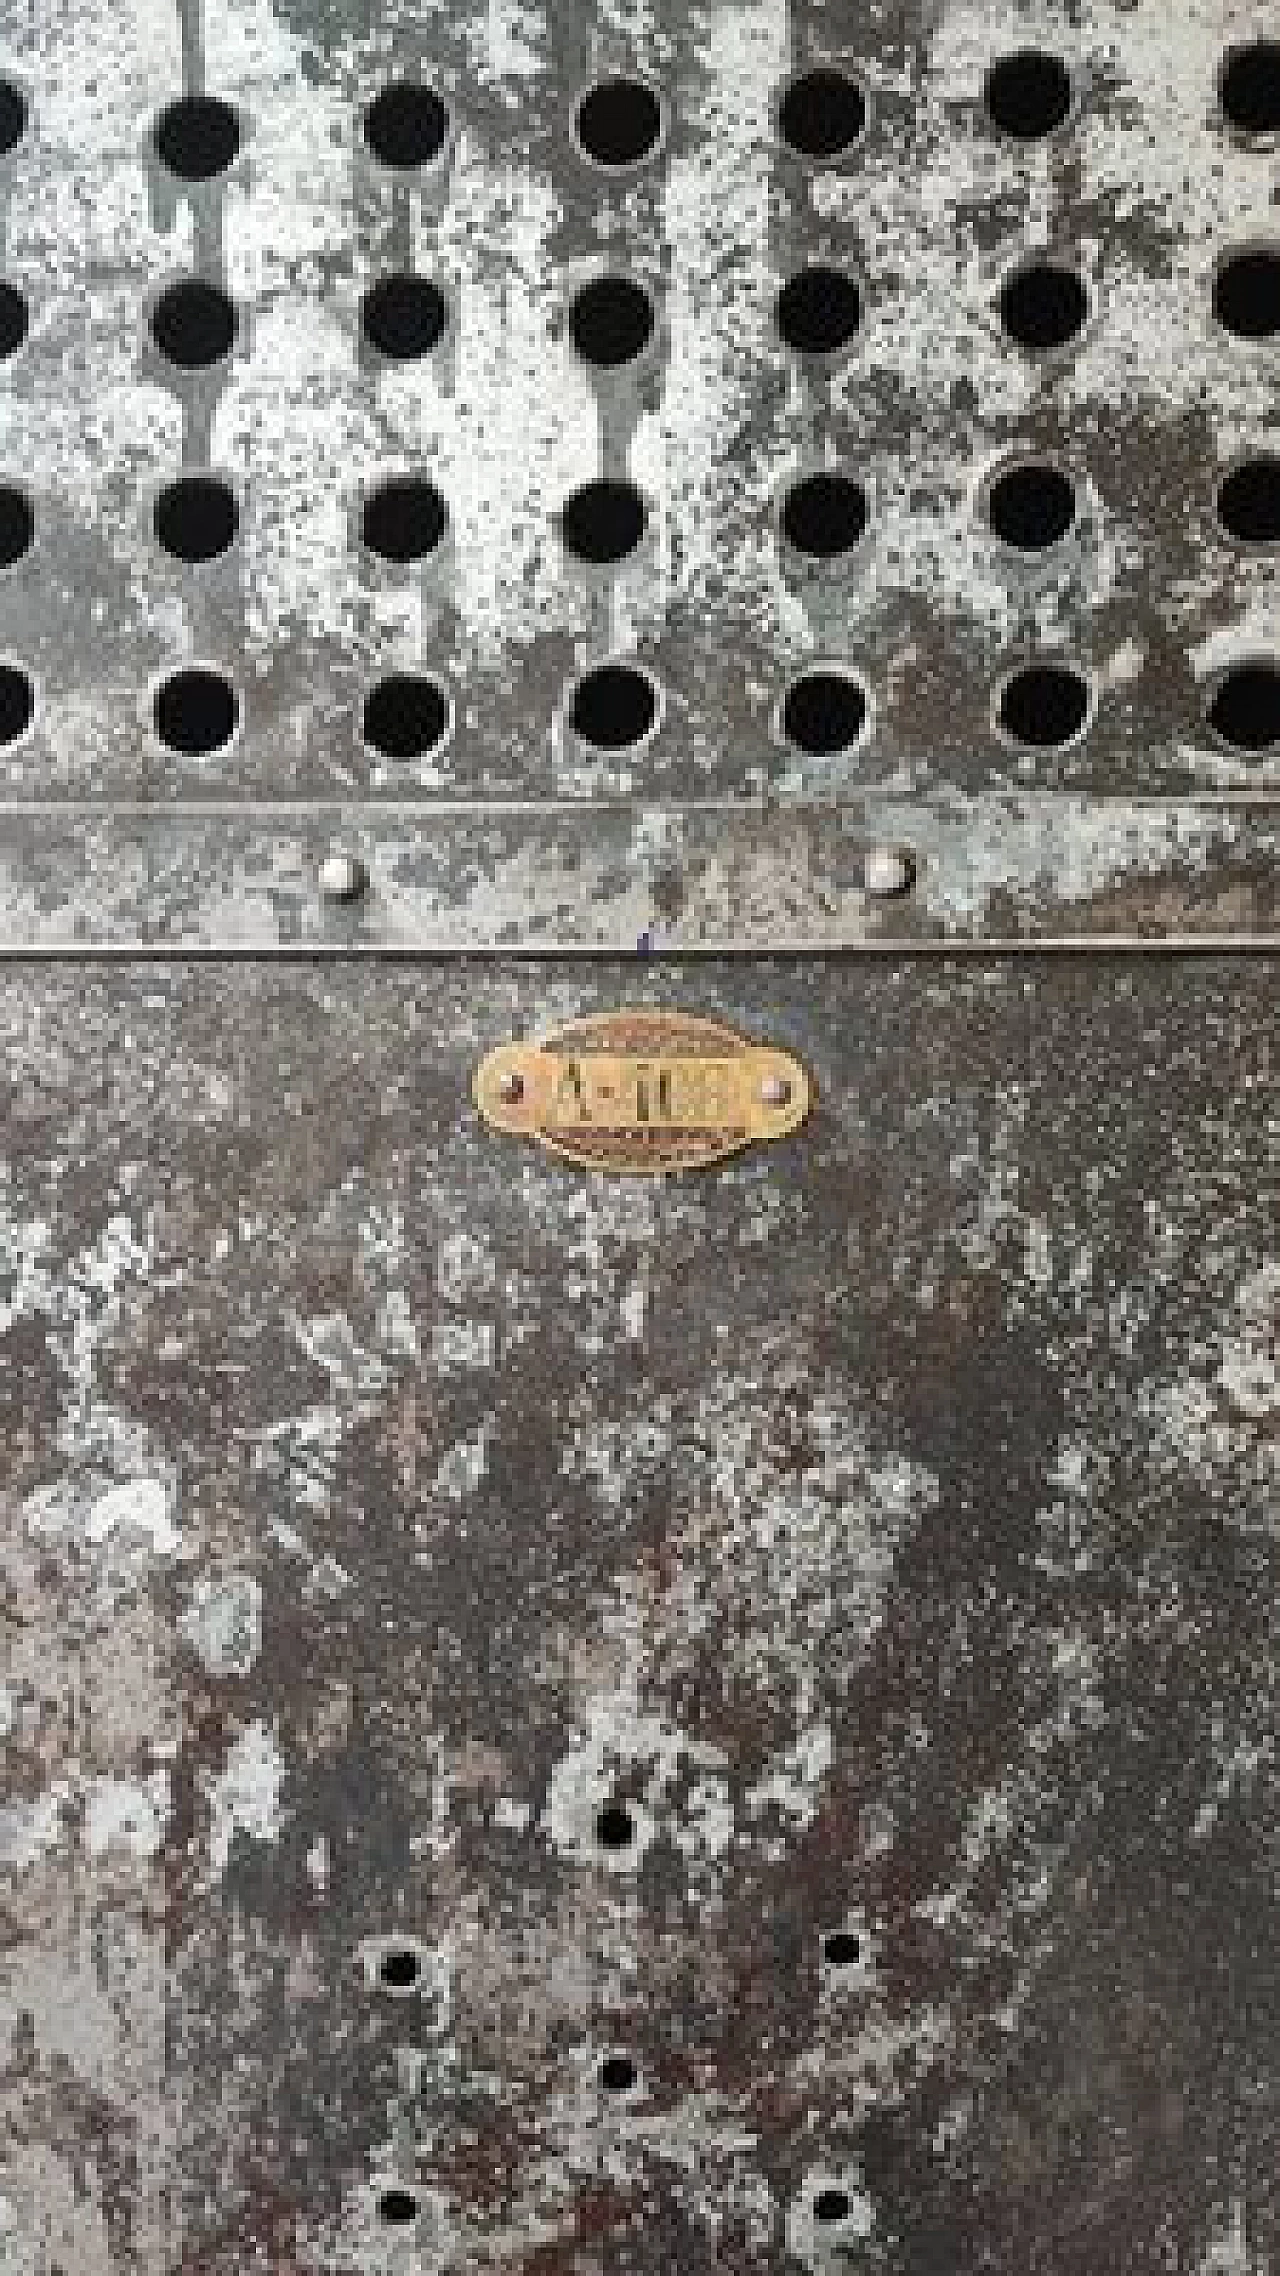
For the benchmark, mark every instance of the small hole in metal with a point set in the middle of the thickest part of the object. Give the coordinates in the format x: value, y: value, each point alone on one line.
x: 1043, y: 305
x: 842, y: 1949
x: 13, y: 116
x: 611, y: 321
x: 404, y: 519
x: 1249, y: 87
x: 511, y: 1089
x: 818, y: 310
x: 1032, y: 506
x: 1245, y: 710
x: 1249, y: 501
x: 614, y: 707
x: 399, y: 1968
x: 1044, y: 706
x: 617, y: 2074
x: 603, y: 521
x: 1028, y: 94
x: 824, y: 712
x: 404, y: 316
x: 407, y: 125
x: 14, y: 319
x: 824, y: 515
x: 822, y: 114
x: 615, y: 1827
x: 17, y: 702
x: 196, y: 711
x: 406, y: 716
x: 17, y: 524
x: 196, y: 517
x: 193, y: 324
x: 1246, y: 294
x: 618, y: 122
x: 397, y: 2207
x: 831, y: 2205
x: 197, y: 137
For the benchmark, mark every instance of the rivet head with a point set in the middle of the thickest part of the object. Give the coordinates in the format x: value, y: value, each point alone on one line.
x: 887, y: 872
x: 775, y: 1090
x: 343, y: 877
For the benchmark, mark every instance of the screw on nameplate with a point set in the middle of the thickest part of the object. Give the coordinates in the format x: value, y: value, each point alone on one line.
x: 643, y: 1092
x: 343, y: 877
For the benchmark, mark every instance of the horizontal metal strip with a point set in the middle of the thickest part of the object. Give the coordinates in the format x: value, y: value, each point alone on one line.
x: 626, y: 880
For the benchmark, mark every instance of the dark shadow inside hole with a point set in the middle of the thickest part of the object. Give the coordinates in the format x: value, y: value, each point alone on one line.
x: 842, y: 1949
x: 611, y: 321
x: 1249, y: 501
x: 1044, y: 706
x: 406, y: 125
x: 1043, y: 305
x: 823, y: 713
x: 197, y: 137
x: 604, y: 521
x: 615, y: 1826
x: 193, y: 324
x: 614, y: 708
x: 17, y: 702
x: 13, y: 115
x: 404, y: 519
x: 17, y: 524
x: 619, y: 122
x: 406, y: 716
x: 822, y: 113
x: 399, y: 1968
x: 618, y: 2074
x: 1028, y: 94
x: 1031, y: 507
x: 824, y: 515
x: 195, y: 712
x: 831, y: 2205
x: 819, y: 310
x: 397, y: 2207
x: 1250, y: 87
x: 1246, y: 294
x: 13, y: 319
x: 196, y: 518
x: 1245, y: 711
x: 404, y: 316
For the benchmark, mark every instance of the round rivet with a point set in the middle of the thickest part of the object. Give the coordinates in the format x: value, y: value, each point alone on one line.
x: 887, y: 872
x: 511, y: 1089
x: 343, y: 877
x: 775, y: 1090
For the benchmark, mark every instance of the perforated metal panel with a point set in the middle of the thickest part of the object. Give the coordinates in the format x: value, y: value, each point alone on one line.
x: 559, y: 1724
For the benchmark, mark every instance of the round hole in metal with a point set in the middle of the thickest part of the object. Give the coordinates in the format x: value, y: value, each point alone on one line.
x: 397, y: 2207
x: 17, y: 702
x: 1245, y: 710
x: 822, y: 113
x: 407, y: 125
x: 13, y: 116
x: 1249, y: 87
x: 1044, y: 706
x: 399, y: 1968
x: 196, y: 517
x: 404, y: 316
x: 13, y: 319
x: 196, y: 711
x: 831, y: 2205
x: 819, y: 310
x: 611, y: 321
x: 615, y: 1826
x: 1028, y: 94
x: 824, y: 712
x: 617, y: 2074
x: 404, y: 519
x: 17, y: 524
x: 824, y: 515
x: 197, y: 137
x: 1246, y: 293
x: 614, y: 708
x: 618, y: 122
x: 193, y: 324
x: 406, y: 716
x: 1043, y: 305
x: 1031, y: 506
x: 603, y: 521
x: 1249, y: 501
x: 842, y: 1949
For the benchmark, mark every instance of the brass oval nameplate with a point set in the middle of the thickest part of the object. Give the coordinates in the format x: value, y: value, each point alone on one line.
x: 643, y: 1092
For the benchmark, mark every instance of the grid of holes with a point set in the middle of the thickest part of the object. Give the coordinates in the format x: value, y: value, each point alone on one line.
x: 618, y: 126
